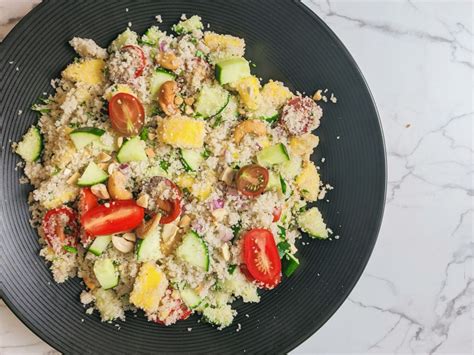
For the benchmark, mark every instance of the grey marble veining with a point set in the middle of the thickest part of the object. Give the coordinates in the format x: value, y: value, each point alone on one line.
x: 416, y: 293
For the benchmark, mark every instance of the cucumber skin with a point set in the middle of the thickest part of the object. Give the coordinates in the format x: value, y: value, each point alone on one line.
x: 122, y: 159
x: 263, y: 159
x: 39, y: 136
x: 290, y: 264
x: 95, y: 252
x: 94, y: 182
x: 193, y: 234
x: 92, y: 130
x: 184, y: 297
x: 220, y: 69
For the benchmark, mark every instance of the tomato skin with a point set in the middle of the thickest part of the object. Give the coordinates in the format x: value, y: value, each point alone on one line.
x: 60, y: 228
x: 87, y: 201
x: 261, y: 258
x: 277, y: 214
x: 113, y: 217
x: 139, y: 70
x: 171, y: 209
x: 252, y: 180
x: 126, y: 113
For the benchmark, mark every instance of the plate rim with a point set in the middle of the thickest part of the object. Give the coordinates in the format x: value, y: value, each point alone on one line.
x: 380, y: 214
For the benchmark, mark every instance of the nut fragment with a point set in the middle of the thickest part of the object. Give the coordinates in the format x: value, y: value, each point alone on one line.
x: 167, y: 60
x: 225, y: 252
x: 317, y: 95
x: 100, y: 190
x: 146, y: 228
x: 150, y: 153
x: 185, y: 222
x: 89, y: 282
x: 151, y: 135
x: 188, y: 110
x: 169, y: 238
x: 121, y: 244
x: 119, y: 142
x: 178, y: 100
x: 189, y: 100
x: 131, y: 237
x: 103, y: 166
x: 142, y: 201
x: 219, y: 214
x: 116, y: 186
x: 103, y: 157
x: 227, y: 175
x: 166, y: 97
x: 255, y: 127
x: 74, y: 177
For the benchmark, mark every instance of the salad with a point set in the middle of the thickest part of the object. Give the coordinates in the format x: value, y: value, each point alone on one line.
x: 169, y: 177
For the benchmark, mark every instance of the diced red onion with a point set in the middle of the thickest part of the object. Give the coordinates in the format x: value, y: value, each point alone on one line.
x: 217, y: 203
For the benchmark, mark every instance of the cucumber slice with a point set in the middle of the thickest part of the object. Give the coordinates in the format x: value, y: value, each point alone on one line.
x: 290, y: 264
x: 232, y: 69
x: 82, y: 137
x: 132, y: 150
x: 193, y: 250
x: 188, y: 26
x: 273, y: 182
x: 149, y: 249
x: 275, y: 154
x: 92, y: 175
x: 126, y: 37
x: 106, y: 273
x: 190, y: 297
x: 191, y: 159
x: 100, y: 244
x: 31, y: 145
x: 272, y: 117
x: 211, y: 101
x: 157, y: 79
x: 151, y: 36
x: 311, y: 221
x: 292, y: 167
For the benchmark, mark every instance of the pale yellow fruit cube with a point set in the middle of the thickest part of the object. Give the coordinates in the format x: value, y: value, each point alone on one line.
x: 181, y: 132
x: 308, y: 182
x: 89, y: 71
x: 149, y: 287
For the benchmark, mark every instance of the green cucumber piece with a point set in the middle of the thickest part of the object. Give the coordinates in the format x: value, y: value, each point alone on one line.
x: 275, y: 154
x: 157, y: 79
x: 273, y: 182
x: 132, y: 150
x: 191, y: 159
x: 190, y: 297
x: 193, y: 250
x: 271, y: 118
x: 82, y: 137
x: 106, y: 273
x: 149, y: 249
x: 188, y: 26
x: 290, y: 264
x: 291, y: 168
x: 92, y: 175
x: 311, y: 221
x: 125, y: 38
x: 211, y: 101
x: 151, y: 36
x: 31, y: 145
x: 100, y: 244
x: 232, y: 69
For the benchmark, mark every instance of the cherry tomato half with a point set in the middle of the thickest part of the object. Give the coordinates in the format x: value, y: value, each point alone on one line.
x: 170, y: 209
x: 112, y: 217
x: 137, y: 51
x: 126, y: 114
x: 261, y: 258
x: 87, y: 200
x: 252, y: 180
x: 60, y: 228
x: 276, y: 214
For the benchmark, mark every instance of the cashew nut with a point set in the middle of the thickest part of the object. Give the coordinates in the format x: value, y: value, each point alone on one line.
x: 167, y: 60
x: 225, y: 251
x: 250, y: 126
x: 121, y: 244
x: 227, y: 175
x: 116, y: 186
x: 166, y: 97
x: 100, y: 191
x: 169, y: 238
x: 146, y: 228
x: 143, y: 200
x: 184, y: 222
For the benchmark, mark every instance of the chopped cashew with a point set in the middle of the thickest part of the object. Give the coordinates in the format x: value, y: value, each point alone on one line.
x: 166, y: 96
x: 100, y: 190
x: 142, y: 201
x: 169, y: 238
x: 121, y: 244
x: 250, y: 126
x: 103, y: 157
x: 116, y: 186
x: 227, y: 175
x: 131, y: 237
x: 146, y: 228
x: 167, y: 60
x: 185, y: 222
x: 225, y: 252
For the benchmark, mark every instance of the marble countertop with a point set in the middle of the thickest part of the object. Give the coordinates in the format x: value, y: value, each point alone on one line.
x: 416, y: 294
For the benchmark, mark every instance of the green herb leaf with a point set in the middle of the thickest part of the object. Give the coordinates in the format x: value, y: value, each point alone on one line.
x: 164, y: 165
x: 236, y: 228
x: 283, y: 248
x: 200, y: 54
x: 231, y: 269
x: 70, y: 249
x: 282, y: 232
x: 144, y: 134
x: 283, y: 185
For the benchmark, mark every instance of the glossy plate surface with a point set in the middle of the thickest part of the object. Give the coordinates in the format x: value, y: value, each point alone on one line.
x: 286, y: 42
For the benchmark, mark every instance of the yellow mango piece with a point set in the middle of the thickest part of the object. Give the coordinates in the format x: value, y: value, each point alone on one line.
x: 303, y: 145
x: 218, y: 42
x: 308, y: 182
x: 249, y: 91
x: 89, y: 71
x: 67, y: 195
x: 119, y: 88
x: 185, y: 181
x: 181, y: 132
x: 276, y: 93
x: 149, y: 287
x: 203, y: 190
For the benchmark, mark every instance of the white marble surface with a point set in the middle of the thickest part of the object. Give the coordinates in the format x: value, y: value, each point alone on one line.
x: 417, y: 291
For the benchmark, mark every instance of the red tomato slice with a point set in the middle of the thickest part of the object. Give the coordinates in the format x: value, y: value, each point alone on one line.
x: 170, y: 209
x: 87, y: 200
x: 113, y: 217
x: 141, y: 56
x: 60, y: 228
x: 261, y: 257
x: 277, y: 214
x: 252, y: 180
x: 126, y: 114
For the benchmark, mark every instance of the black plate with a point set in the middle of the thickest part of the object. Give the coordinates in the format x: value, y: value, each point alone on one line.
x: 287, y: 42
